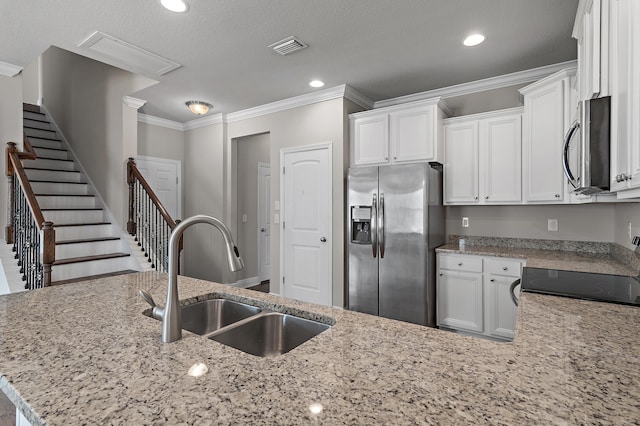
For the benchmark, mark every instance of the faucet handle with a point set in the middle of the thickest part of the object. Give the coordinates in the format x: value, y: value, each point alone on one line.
x: 147, y: 298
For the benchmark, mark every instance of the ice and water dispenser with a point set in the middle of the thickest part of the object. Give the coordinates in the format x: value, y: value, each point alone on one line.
x: 361, y: 224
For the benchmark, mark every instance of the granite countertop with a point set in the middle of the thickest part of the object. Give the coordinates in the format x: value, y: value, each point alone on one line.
x: 602, y: 263
x: 85, y: 354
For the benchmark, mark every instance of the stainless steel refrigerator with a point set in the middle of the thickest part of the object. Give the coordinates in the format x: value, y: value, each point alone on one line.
x: 395, y: 222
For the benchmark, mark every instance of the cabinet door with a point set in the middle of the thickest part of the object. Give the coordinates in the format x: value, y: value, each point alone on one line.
x: 501, y: 321
x: 589, y: 53
x: 501, y: 159
x: 459, y: 296
x: 371, y: 140
x: 461, y: 162
x: 413, y: 134
x: 543, y: 139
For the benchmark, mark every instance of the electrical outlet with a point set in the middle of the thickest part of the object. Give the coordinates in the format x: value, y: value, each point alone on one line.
x: 276, y: 218
x: 465, y: 222
x: 552, y: 225
x: 244, y: 218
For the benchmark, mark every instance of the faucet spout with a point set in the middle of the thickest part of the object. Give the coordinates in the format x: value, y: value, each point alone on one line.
x: 170, y: 314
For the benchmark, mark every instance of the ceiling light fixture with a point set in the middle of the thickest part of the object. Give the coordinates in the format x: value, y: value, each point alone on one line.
x: 316, y: 83
x: 199, y: 107
x: 178, y: 6
x: 473, y: 40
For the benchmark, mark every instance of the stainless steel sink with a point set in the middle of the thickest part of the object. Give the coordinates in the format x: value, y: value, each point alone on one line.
x: 210, y: 315
x: 269, y: 334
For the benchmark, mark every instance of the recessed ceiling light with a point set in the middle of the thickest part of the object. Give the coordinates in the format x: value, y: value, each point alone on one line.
x: 316, y: 83
x: 473, y: 40
x: 175, y: 5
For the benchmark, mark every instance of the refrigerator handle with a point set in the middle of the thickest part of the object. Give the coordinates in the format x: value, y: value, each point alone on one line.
x: 374, y: 226
x: 381, y: 225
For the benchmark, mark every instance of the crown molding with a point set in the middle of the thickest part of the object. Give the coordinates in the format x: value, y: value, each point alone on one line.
x: 205, y: 121
x: 161, y: 122
x: 342, y: 91
x: 9, y: 70
x: 562, y: 74
x: 133, y: 102
x: 490, y: 83
x: 483, y: 115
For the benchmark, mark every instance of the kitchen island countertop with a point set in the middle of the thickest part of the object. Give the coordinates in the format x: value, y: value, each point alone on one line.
x: 86, y: 354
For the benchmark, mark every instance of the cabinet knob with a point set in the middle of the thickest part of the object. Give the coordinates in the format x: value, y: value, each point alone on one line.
x: 557, y: 195
x: 441, y: 274
x: 395, y: 158
x: 505, y: 268
x: 460, y: 264
x: 492, y: 280
x: 486, y: 198
x: 475, y: 198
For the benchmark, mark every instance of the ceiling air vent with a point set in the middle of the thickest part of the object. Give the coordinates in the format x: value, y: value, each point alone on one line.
x: 288, y: 45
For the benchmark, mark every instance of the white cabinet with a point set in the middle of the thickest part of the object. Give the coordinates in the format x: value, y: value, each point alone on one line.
x: 399, y: 134
x: 473, y: 294
x: 625, y: 97
x: 547, y: 114
x: 591, y: 31
x: 483, y: 158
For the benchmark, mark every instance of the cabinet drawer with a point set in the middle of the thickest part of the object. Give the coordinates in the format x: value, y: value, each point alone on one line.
x: 507, y: 267
x: 461, y: 263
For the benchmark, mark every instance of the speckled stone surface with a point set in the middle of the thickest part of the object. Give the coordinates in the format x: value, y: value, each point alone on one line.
x: 582, y: 256
x: 85, y: 354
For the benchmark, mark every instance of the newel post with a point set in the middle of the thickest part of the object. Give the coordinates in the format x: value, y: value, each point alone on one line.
x: 131, y: 224
x: 8, y: 230
x: 48, y: 251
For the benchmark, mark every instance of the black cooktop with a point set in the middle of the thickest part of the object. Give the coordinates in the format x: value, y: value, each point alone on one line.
x: 582, y: 285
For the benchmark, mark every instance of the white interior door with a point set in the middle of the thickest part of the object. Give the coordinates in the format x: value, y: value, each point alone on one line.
x: 163, y: 176
x: 306, y: 190
x: 264, y: 221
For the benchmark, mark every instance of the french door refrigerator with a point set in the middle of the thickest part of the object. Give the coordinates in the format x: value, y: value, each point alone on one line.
x: 395, y: 222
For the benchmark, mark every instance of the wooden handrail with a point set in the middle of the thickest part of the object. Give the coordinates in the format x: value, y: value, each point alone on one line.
x: 132, y: 174
x: 18, y: 171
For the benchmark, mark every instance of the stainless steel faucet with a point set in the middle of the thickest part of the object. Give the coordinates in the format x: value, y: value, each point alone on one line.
x: 170, y: 314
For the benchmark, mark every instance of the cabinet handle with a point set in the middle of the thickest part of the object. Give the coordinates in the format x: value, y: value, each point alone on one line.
x: 557, y: 195
x: 505, y: 268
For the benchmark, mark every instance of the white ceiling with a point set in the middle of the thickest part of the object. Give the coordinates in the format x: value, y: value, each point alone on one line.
x: 382, y: 48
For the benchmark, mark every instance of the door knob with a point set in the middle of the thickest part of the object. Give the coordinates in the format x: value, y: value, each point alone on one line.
x: 323, y: 240
x: 263, y: 230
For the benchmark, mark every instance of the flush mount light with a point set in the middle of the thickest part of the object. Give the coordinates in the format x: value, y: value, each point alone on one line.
x: 316, y: 83
x: 178, y: 6
x: 199, y: 107
x: 473, y: 40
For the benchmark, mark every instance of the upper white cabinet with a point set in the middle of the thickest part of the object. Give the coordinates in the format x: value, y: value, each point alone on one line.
x: 548, y: 111
x: 398, y: 134
x: 591, y: 30
x: 625, y: 97
x: 483, y: 158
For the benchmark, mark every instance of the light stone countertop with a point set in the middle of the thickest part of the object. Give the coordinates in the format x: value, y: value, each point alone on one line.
x: 601, y: 263
x: 85, y: 354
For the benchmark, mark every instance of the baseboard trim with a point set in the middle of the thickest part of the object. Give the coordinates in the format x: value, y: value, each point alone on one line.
x: 247, y: 282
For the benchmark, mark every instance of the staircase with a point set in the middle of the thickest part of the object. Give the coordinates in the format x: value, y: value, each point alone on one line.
x: 87, y: 245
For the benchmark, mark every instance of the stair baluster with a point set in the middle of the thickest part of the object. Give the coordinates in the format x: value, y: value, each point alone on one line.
x: 149, y: 221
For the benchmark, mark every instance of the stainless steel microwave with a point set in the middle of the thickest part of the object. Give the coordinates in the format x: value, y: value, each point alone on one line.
x: 587, y: 164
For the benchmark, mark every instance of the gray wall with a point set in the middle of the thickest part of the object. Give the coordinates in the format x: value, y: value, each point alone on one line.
x: 84, y: 97
x: 10, y: 128
x: 488, y: 100
x: 584, y: 222
x: 251, y: 150
x: 311, y: 124
x: 203, y: 194
x: 31, y: 84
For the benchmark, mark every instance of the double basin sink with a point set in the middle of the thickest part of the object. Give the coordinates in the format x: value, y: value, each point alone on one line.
x: 248, y: 328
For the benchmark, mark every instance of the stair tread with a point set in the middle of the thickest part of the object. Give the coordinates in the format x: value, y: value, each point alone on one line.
x: 90, y: 258
x: 87, y: 240
x: 57, y: 181
x: 51, y: 170
x: 38, y: 128
x: 50, y: 149
x: 35, y: 119
x: 95, y: 277
x: 72, y: 208
x: 34, y: 112
x: 80, y: 224
x: 54, y: 159
x: 64, y: 195
x: 45, y: 139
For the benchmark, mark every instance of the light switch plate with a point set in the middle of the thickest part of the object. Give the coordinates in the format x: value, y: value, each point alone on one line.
x: 276, y: 218
x: 465, y: 222
x: 552, y: 225
x: 276, y: 205
x: 244, y: 218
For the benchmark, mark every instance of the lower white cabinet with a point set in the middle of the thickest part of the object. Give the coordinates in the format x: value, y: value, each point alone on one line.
x: 473, y: 294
